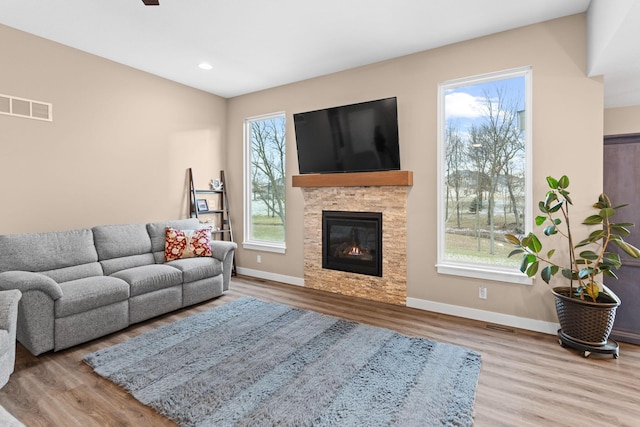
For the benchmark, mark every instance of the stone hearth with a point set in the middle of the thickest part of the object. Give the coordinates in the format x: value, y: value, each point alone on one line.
x: 391, y: 201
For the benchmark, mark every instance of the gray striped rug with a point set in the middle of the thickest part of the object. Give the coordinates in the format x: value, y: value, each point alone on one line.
x: 253, y: 363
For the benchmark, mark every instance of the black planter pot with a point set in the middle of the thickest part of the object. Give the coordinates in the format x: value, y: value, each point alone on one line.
x: 585, y: 322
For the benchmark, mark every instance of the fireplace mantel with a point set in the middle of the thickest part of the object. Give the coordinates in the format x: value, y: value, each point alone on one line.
x: 355, y: 179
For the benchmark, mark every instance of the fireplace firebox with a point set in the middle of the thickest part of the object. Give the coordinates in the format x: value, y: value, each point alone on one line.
x: 352, y: 242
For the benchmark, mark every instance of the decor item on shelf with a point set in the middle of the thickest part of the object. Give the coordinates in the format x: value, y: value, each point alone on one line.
x: 202, y: 205
x: 216, y: 184
x: 251, y: 362
x: 586, y: 308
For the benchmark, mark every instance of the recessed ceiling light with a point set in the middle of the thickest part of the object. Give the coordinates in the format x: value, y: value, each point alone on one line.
x: 205, y: 66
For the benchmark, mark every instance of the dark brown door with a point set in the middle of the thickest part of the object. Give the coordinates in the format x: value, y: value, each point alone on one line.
x: 622, y: 185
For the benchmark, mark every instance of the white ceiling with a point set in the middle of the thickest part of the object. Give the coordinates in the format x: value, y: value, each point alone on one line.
x: 258, y: 44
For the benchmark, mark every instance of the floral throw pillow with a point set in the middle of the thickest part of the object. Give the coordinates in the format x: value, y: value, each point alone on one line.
x: 180, y: 244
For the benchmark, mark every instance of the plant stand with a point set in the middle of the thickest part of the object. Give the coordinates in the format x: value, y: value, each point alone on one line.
x: 610, y: 347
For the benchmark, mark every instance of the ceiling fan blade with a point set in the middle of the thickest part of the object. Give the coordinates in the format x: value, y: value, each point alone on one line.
x: 151, y: 2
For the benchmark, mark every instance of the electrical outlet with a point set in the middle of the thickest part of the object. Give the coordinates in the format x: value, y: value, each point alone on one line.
x: 259, y: 259
x: 482, y: 292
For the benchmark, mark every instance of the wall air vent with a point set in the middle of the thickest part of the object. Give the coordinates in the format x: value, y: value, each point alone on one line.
x: 27, y: 108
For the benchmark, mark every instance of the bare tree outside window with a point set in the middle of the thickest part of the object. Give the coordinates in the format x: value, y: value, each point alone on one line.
x: 483, y: 169
x: 267, y: 153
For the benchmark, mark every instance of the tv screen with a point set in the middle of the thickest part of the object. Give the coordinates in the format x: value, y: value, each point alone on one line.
x: 352, y: 138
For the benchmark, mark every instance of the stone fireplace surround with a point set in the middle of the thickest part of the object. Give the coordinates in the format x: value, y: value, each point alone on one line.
x: 384, y: 192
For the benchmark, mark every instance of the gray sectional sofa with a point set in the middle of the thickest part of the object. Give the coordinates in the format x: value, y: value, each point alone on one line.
x: 82, y: 284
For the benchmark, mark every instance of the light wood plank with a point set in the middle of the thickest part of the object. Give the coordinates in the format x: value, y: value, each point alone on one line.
x: 355, y: 179
x: 527, y: 379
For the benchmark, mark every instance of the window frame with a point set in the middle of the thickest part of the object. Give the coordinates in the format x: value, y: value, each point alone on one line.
x: 248, y: 242
x: 476, y: 270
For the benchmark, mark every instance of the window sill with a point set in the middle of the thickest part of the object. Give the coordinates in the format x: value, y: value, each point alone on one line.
x: 265, y: 247
x: 479, y: 272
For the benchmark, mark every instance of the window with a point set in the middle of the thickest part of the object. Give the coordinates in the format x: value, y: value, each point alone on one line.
x: 264, y: 221
x: 484, y: 173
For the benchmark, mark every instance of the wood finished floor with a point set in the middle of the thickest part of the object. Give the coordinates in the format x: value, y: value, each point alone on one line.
x: 527, y: 379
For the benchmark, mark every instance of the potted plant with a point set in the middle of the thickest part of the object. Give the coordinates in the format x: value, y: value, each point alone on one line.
x: 586, y: 308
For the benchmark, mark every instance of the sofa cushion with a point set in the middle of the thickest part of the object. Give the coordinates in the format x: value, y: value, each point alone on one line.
x: 39, y: 252
x: 110, y: 266
x: 197, y: 268
x: 75, y: 272
x: 86, y: 294
x: 179, y: 244
x: 149, y: 278
x: 122, y: 246
x: 157, y: 232
x: 117, y: 241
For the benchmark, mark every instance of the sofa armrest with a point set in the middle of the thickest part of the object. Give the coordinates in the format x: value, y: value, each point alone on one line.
x: 36, y: 314
x: 220, y: 248
x: 26, y: 281
x: 8, y: 321
x: 224, y: 251
x: 9, y: 309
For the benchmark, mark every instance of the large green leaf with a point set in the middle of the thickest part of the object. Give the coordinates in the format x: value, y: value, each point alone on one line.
x: 542, y: 207
x: 516, y: 252
x: 525, y: 263
x: 565, y: 194
x: 604, y: 200
x: 592, y: 220
x: 620, y: 228
x: 512, y: 239
x: 563, y: 182
x: 540, y: 220
x: 534, y: 244
x: 547, y: 272
x: 556, y: 206
x: 629, y: 249
x: 582, y: 261
x: 569, y: 274
x: 586, y: 272
x: 533, y: 269
x: 624, y: 224
x: 590, y: 255
x: 612, y: 259
x: 549, y: 199
x: 596, y: 235
x: 606, y: 213
x: 552, y: 182
x: 620, y: 206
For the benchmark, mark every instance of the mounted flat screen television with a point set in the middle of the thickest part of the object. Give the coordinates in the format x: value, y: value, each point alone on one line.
x: 352, y: 138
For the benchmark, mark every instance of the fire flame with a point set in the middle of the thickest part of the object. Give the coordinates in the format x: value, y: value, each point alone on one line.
x: 355, y: 251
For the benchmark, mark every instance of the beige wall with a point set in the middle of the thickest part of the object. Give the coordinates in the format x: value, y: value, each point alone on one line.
x: 118, y: 147
x: 122, y: 139
x: 567, y: 128
x: 623, y: 120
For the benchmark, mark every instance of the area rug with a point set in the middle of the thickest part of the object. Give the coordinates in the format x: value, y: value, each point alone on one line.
x: 254, y: 363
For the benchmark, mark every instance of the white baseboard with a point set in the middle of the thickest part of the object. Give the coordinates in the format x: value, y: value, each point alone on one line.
x: 436, y: 307
x: 289, y: 280
x: 485, y: 316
